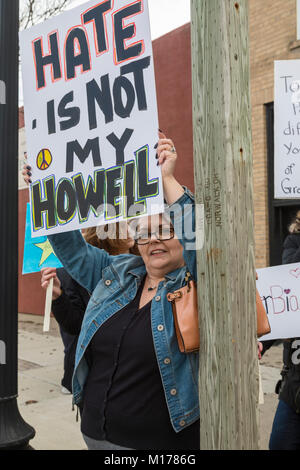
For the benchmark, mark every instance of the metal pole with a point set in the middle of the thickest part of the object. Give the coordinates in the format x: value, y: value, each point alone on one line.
x: 14, y: 432
x: 228, y: 376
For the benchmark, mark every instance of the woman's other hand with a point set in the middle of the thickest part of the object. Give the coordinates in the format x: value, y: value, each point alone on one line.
x: 26, y: 172
x: 47, y: 274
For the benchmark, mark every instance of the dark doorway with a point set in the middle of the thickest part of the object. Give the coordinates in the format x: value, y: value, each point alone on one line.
x: 281, y: 211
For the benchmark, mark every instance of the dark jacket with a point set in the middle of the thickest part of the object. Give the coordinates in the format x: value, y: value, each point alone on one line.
x: 69, y: 308
x: 290, y: 387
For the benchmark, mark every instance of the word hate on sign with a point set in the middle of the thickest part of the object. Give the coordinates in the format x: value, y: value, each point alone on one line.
x: 77, y: 44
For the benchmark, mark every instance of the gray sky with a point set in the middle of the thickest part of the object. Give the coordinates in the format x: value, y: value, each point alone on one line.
x: 165, y: 15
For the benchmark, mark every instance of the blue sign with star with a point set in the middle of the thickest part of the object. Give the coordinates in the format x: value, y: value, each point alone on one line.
x: 38, y: 252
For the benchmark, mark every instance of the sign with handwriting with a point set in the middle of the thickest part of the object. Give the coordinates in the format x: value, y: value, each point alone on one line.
x: 287, y: 129
x: 279, y: 289
x: 38, y: 253
x: 91, y: 117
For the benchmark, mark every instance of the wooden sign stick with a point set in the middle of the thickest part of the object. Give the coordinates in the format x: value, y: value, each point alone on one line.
x: 48, y: 304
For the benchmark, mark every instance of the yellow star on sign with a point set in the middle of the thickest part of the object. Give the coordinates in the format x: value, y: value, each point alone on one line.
x: 47, y: 250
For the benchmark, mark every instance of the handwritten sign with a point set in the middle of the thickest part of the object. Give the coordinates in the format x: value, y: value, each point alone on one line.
x: 91, y: 117
x: 287, y: 129
x: 38, y: 252
x: 279, y: 289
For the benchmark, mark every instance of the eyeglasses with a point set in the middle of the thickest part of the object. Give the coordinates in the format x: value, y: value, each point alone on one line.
x: 162, y: 234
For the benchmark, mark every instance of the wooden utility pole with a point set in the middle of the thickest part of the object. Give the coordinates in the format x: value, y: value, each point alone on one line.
x: 228, y: 385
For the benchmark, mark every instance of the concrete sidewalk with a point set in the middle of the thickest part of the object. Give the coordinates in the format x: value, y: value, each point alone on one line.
x: 41, y: 403
x: 44, y: 407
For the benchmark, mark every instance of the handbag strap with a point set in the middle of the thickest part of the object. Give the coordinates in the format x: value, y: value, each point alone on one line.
x: 171, y: 296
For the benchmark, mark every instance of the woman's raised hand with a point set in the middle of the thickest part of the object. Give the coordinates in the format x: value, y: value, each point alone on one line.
x: 47, y: 274
x: 167, y: 156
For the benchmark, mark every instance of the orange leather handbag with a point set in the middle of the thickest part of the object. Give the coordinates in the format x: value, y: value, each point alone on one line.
x: 185, y: 313
x: 263, y: 325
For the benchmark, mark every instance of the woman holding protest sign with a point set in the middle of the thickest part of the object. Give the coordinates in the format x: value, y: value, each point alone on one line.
x: 136, y: 388
x: 286, y: 426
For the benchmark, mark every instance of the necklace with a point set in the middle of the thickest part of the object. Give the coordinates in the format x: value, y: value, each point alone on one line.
x: 152, y: 288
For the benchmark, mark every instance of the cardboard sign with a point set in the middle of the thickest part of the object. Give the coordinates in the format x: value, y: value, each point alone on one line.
x: 91, y: 117
x: 38, y: 252
x: 287, y: 129
x: 279, y: 289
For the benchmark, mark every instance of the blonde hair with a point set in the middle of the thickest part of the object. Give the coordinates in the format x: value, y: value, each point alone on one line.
x: 113, y: 246
x: 295, y: 225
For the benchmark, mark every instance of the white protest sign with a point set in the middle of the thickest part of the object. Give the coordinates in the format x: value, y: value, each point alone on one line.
x: 91, y: 117
x: 287, y: 129
x: 279, y: 289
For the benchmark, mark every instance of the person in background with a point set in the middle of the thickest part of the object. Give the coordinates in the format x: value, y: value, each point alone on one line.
x: 285, y: 433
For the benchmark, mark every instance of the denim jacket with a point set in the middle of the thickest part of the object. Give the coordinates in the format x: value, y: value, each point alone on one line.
x: 113, y: 282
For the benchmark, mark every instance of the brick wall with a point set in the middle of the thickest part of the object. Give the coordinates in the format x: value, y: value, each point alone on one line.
x: 272, y: 37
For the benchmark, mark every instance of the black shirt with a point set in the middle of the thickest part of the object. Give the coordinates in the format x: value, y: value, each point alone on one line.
x: 124, y: 400
x: 69, y: 308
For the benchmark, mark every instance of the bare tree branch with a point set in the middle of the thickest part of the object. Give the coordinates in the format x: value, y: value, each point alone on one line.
x: 36, y: 11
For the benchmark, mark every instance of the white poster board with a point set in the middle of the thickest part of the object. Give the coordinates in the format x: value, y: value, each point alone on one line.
x: 91, y: 117
x: 279, y: 289
x: 287, y: 129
